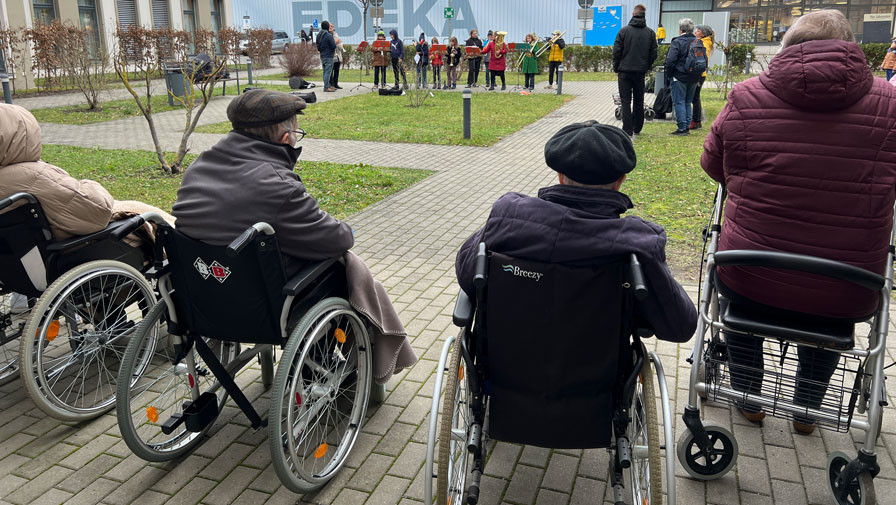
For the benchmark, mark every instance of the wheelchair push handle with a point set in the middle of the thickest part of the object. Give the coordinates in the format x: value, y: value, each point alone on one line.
x: 479, y: 272
x: 246, y: 237
x: 15, y: 197
x: 638, y: 282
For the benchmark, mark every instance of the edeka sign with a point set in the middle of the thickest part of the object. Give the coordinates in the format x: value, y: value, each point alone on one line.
x: 409, y: 17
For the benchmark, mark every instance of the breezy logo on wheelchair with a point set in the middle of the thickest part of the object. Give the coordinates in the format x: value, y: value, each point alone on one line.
x: 519, y: 272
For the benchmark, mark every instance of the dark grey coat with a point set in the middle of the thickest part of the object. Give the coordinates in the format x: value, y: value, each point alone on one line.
x: 581, y: 227
x: 242, y: 180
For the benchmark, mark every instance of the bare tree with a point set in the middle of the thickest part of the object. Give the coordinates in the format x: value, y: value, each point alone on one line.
x: 84, y: 61
x: 10, y: 42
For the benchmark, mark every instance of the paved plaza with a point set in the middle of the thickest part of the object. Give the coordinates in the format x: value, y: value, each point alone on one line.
x: 409, y: 240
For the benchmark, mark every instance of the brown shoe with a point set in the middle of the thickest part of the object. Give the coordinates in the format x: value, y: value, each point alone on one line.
x: 330, y: 90
x: 803, y: 428
x: 753, y: 417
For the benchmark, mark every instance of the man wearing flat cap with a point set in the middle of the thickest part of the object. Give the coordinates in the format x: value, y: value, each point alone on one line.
x: 577, y: 223
x: 248, y: 177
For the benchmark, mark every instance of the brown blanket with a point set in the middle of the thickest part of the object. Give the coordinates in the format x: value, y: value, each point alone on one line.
x: 123, y: 209
x: 391, y: 350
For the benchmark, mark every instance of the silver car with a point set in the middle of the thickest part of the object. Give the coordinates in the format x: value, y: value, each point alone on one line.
x: 281, y: 41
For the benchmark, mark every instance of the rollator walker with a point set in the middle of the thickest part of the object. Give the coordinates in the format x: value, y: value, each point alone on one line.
x: 854, y: 397
x: 548, y: 355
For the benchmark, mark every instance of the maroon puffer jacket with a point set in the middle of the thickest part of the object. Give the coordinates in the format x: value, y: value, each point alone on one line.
x: 807, y: 151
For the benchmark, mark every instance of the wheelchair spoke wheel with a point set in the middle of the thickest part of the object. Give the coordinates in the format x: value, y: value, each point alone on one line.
x: 722, y: 458
x: 320, y: 395
x: 153, y: 384
x: 14, y: 312
x: 860, y: 491
x: 454, y: 428
x: 643, y: 434
x: 76, y: 336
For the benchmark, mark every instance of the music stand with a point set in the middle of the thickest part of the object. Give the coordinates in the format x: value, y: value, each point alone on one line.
x: 439, y: 49
x: 471, y: 52
x: 361, y: 48
x: 517, y: 49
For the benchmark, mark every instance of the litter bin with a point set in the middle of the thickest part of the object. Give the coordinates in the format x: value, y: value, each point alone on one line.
x: 174, y: 83
x: 660, y: 80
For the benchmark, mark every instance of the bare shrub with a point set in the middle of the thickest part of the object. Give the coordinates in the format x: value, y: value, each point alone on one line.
x: 204, y: 42
x: 299, y: 60
x: 12, y: 43
x: 259, y: 46
x: 44, y: 54
x: 229, y: 38
x: 85, y: 70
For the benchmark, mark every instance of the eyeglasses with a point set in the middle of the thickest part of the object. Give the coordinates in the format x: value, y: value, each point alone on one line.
x: 300, y: 133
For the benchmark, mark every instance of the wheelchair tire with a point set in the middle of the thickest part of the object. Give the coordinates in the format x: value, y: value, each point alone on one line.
x: 324, y: 375
x: 859, y: 492
x: 646, y: 472
x: 693, y: 461
x: 12, y: 325
x: 266, y: 359
x: 152, y: 389
x: 69, y: 369
x: 618, y: 114
x: 454, y: 456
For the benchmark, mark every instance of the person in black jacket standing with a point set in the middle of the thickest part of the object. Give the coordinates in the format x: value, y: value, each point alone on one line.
x: 473, y: 68
x: 633, y: 54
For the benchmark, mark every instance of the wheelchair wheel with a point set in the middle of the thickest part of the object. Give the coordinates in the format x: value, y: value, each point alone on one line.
x: 858, y: 492
x: 153, y: 384
x: 13, y: 318
x: 320, y: 395
x: 643, y: 434
x: 76, y: 336
x: 454, y: 428
x: 618, y: 114
x: 724, y: 453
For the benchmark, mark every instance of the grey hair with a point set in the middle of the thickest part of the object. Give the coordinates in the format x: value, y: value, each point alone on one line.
x: 272, y: 132
x: 571, y: 182
x: 686, y: 25
x: 827, y: 24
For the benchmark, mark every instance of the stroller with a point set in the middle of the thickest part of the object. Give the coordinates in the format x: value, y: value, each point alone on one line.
x: 649, y: 113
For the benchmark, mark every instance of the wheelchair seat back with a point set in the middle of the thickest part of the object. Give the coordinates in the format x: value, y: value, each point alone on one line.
x: 227, y: 298
x: 24, y: 236
x: 553, y: 338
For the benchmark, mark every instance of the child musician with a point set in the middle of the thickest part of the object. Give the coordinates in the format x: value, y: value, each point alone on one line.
x: 497, y: 62
x: 422, y: 59
x: 436, y: 58
x: 453, y: 59
x: 380, y: 62
x: 529, y: 65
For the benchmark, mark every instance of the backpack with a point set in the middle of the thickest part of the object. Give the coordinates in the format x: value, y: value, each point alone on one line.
x: 299, y: 83
x: 696, y: 62
x: 662, y: 105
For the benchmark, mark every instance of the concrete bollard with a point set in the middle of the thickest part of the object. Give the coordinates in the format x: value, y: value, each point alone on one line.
x: 249, y: 69
x: 560, y: 70
x: 468, y: 97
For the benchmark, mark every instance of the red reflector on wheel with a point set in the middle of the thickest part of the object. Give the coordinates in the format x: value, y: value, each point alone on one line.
x: 298, y: 399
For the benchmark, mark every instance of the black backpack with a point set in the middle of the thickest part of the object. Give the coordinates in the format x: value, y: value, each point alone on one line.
x: 299, y: 83
x: 696, y: 62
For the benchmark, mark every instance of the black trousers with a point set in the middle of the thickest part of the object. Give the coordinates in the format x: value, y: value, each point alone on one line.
x: 377, y: 71
x: 396, y: 70
x: 631, y: 91
x: 553, y: 66
x: 334, y: 77
x: 530, y: 81
x: 473, y: 72
x: 436, y: 74
x: 497, y: 73
x: 698, y: 105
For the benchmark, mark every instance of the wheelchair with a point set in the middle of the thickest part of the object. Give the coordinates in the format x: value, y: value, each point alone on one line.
x: 707, y: 450
x: 179, y: 369
x: 507, y: 376
x: 85, y: 295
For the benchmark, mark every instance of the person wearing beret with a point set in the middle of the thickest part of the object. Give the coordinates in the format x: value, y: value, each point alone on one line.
x: 248, y: 177
x: 578, y: 223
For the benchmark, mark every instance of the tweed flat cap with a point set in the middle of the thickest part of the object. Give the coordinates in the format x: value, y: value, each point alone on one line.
x: 591, y: 153
x: 262, y: 107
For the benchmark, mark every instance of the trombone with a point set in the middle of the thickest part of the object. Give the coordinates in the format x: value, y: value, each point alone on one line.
x: 549, y: 43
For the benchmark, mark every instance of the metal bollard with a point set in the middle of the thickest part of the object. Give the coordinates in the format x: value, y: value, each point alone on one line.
x: 249, y: 69
x: 560, y: 79
x: 468, y: 96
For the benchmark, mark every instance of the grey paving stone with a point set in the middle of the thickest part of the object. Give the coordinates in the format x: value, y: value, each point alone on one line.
x: 194, y: 492
x: 53, y: 497
x: 92, y: 494
x: 409, y: 462
x: 32, y: 468
x: 370, y: 473
x: 351, y: 497
x: 395, y: 440
x: 561, y: 472
x: 33, y: 489
x: 524, y: 487
x: 502, y: 460
x: 788, y: 492
x: 180, y: 473
x: 137, y: 486
x: 89, y: 451
x: 232, y: 486
x: 782, y: 464
x: 815, y: 481
x: 535, y: 456
x: 82, y: 477
x: 389, y: 491
x: 548, y: 497
x: 251, y: 497
x: 753, y: 475
x: 226, y: 461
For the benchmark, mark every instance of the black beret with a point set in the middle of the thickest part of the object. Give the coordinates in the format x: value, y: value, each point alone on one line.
x: 591, y: 153
x: 262, y: 107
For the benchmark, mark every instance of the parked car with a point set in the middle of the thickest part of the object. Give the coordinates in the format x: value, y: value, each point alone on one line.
x: 281, y: 41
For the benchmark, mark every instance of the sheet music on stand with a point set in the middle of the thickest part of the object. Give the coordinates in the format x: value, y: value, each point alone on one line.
x: 439, y: 48
x: 472, y: 52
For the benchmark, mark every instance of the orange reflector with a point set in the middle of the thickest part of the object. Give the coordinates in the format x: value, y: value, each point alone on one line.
x: 320, y: 451
x: 52, y: 330
x: 152, y: 414
x: 460, y: 373
x: 340, y: 335
x: 645, y: 501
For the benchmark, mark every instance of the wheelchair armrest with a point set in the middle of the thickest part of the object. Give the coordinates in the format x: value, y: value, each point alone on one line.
x: 116, y: 230
x: 15, y: 197
x: 307, y: 275
x: 801, y: 263
x: 463, y: 310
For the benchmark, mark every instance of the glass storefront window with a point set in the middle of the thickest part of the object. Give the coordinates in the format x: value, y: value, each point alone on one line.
x: 670, y: 21
x: 742, y: 28
x: 735, y: 4
x: 773, y: 23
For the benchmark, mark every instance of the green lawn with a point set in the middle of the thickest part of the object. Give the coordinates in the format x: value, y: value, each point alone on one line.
x: 368, y: 116
x: 341, y: 190
x: 670, y: 188
x: 108, y: 111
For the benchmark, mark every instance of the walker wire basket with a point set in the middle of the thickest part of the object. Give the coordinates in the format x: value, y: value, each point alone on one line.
x: 771, y: 380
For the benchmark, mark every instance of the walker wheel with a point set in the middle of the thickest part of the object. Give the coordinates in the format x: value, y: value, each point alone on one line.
x: 618, y: 114
x: 860, y: 491
x: 723, y: 458
x: 649, y: 114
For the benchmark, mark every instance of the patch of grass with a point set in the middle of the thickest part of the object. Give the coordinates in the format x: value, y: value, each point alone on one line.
x: 107, y: 111
x: 670, y: 188
x: 341, y: 190
x: 369, y: 116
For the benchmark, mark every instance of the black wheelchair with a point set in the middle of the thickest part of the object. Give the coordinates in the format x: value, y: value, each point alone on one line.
x: 773, y: 381
x: 179, y: 368
x: 548, y: 355
x: 85, y: 296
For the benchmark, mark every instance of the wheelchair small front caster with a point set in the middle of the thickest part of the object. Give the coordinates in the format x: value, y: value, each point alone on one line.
x: 377, y: 393
x: 858, y: 491
x: 266, y: 360
x: 723, y: 457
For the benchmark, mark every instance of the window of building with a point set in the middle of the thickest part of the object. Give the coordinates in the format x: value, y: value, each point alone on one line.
x: 160, y: 17
x: 189, y: 16
x: 88, y: 20
x: 44, y: 12
x: 127, y: 13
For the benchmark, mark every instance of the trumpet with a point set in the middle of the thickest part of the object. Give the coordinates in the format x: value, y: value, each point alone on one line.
x: 549, y: 44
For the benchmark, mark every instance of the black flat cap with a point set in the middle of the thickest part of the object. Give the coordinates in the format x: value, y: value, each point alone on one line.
x: 591, y: 153
x: 262, y: 107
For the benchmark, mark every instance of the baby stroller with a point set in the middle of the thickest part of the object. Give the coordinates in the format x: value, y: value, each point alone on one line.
x: 507, y: 376
x: 853, y: 398
x: 649, y: 114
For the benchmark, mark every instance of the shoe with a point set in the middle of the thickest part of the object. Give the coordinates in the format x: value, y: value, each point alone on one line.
x: 491, y: 88
x: 467, y: 86
x: 330, y: 90
x: 549, y: 87
x: 753, y: 417
x: 695, y: 125
x: 803, y: 428
x: 337, y: 86
x: 18, y: 303
x: 503, y: 87
x: 681, y: 132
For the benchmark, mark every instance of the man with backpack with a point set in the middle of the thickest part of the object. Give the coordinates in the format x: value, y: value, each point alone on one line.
x: 633, y: 54
x: 685, y: 63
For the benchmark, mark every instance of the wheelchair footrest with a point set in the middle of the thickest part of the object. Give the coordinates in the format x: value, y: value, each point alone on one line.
x: 199, y: 414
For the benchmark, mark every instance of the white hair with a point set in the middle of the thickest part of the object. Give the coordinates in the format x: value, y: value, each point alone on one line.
x: 827, y: 24
x: 686, y: 25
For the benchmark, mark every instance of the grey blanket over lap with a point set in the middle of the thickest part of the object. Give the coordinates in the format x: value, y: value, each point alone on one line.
x: 391, y: 350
